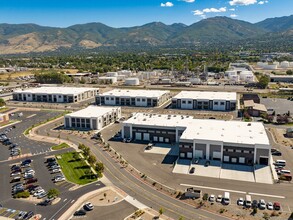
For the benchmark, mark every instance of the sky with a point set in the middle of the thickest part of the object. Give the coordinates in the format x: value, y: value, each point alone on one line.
x: 127, y: 13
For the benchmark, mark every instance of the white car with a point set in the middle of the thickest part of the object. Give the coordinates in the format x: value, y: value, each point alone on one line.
x: 212, y: 198
x: 59, y: 179
x: 270, y: 206
x: 219, y: 198
x: 240, y: 201
x: 58, y: 170
x: 262, y: 204
x: 37, y: 193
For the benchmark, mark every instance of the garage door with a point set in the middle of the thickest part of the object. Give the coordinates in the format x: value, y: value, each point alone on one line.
x: 161, y: 139
x: 146, y: 136
x: 234, y: 160
x: 263, y: 161
x: 198, y: 154
x: 241, y: 159
x: 189, y: 155
x: 138, y: 136
x: 217, y: 155
x: 226, y: 159
x: 166, y: 140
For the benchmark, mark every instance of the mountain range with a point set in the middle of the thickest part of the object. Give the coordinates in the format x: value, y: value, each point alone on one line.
x: 30, y: 38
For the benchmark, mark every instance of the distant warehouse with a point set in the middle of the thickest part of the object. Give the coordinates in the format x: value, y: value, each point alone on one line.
x: 281, y: 78
x: 216, y: 101
x: 92, y: 118
x: 227, y: 141
x: 143, y: 98
x: 55, y: 94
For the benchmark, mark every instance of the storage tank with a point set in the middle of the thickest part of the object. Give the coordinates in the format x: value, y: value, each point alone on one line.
x: 195, y: 81
x: 271, y: 67
x: 125, y: 72
x: 284, y: 64
x: 166, y: 81
x: 132, y: 81
x: 246, y: 76
x: 262, y: 64
x: 112, y: 74
x: 291, y: 64
x: 230, y: 72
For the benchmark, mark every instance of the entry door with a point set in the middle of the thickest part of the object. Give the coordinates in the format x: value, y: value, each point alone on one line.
x: 146, y: 136
x: 226, y: 159
x: 242, y: 160
x: 198, y: 154
x: 189, y: 155
x: 138, y: 136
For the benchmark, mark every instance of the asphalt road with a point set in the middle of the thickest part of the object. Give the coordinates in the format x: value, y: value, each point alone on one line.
x: 134, y: 187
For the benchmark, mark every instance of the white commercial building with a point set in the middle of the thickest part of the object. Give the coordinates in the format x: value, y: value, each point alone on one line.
x: 55, y: 94
x: 131, y: 82
x: 215, y: 101
x: 143, y: 98
x: 92, y: 118
x: 107, y: 80
x: 228, y: 141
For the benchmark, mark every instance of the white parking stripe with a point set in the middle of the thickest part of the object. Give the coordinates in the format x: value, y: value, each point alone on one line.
x: 205, y: 187
x: 267, y: 195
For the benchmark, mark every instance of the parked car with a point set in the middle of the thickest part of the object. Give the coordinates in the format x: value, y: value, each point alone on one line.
x: 192, y: 170
x: 212, y: 198
x: 219, y: 198
x: 254, y: 204
x: 277, y: 206
x: 33, y: 180
x: 15, y: 173
x: 28, y: 215
x: 277, y: 153
x: 37, y: 193
x: 50, y: 159
x: 88, y: 206
x: 15, y: 179
x: 270, y: 206
x: 79, y: 213
x: 240, y: 201
x: 42, y: 195
x: 149, y: 146
x: 58, y: 170
x: 262, y: 204
x: 207, y: 163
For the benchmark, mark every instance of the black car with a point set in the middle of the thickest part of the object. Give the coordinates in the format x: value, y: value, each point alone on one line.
x: 28, y: 215
x: 277, y: 153
x: 254, y: 204
x: 192, y: 170
x: 26, y: 161
x: 50, y: 159
x: 79, y: 213
x: 207, y: 163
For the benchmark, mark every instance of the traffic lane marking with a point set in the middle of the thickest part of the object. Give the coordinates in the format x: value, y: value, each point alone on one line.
x: 267, y: 195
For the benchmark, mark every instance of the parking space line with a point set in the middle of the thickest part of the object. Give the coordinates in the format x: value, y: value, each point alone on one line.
x: 218, y: 189
x: 267, y: 195
x: 2, y: 210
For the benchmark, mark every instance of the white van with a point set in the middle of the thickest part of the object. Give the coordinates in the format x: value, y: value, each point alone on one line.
x: 280, y: 162
x: 285, y: 172
x: 226, y: 198
x: 248, y: 201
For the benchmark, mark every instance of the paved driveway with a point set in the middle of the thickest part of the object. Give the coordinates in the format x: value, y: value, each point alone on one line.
x: 280, y: 106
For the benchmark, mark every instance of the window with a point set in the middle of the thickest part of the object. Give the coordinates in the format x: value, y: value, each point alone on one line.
x: 112, y: 98
x: 246, y: 151
x: 138, y: 100
x: 230, y: 150
x: 60, y: 96
x: 143, y: 100
x: 216, y: 103
x: 222, y: 103
x: 189, y: 102
x: 238, y: 151
x: 107, y: 98
x: 183, y: 102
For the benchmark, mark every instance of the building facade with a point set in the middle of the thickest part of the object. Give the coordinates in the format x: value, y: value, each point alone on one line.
x: 227, y: 141
x: 211, y: 101
x: 92, y: 118
x: 142, y: 98
x: 55, y: 94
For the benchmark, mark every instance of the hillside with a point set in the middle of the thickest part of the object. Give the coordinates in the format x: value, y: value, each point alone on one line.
x: 28, y: 38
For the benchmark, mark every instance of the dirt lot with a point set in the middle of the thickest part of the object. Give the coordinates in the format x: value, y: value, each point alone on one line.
x: 279, y: 136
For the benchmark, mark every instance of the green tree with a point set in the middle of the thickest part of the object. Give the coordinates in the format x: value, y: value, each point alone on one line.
x: 92, y: 159
x: 289, y: 72
x: 263, y: 82
x: 2, y: 102
x: 76, y: 156
x: 53, y: 193
x: 161, y: 211
x: 100, y: 167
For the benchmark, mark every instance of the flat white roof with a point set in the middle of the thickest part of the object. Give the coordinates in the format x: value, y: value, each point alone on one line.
x: 202, y: 95
x: 149, y: 119
x: 227, y: 131
x: 92, y: 112
x: 206, y: 129
x: 56, y: 90
x: 136, y: 93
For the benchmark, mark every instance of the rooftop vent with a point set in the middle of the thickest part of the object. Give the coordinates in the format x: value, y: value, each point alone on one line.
x: 249, y: 124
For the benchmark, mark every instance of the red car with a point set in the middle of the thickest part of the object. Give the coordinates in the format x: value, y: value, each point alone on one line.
x: 277, y: 206
x: 33, y: 180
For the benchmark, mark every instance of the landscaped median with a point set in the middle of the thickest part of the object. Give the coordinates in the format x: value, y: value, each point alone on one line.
x: 76, y: 169
x: 60, y: 146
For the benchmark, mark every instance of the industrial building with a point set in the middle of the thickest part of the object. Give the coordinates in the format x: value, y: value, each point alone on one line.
x: 215, y: 101
x: 142, y: 98
x: 227, y: 141
x: 92, y: 118
x: 55, y: 94
x: 281, y: 78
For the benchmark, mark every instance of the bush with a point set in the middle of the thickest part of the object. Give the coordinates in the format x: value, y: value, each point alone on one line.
x: 205, y: 197
x: 24, y: 194
x: 52, y: 193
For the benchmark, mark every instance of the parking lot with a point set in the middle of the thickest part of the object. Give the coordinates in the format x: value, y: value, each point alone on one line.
x: 280, y: 106
x: 16, y: 136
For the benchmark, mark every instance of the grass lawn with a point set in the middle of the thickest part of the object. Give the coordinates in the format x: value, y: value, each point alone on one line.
x: 60, y: 146
x: 74, y: 170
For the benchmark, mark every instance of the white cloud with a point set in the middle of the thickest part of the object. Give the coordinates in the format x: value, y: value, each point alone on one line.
x: 209, y: 10
x: 188, y: 1
x: 242, y: 2
x: 262, y: 2
x: 214, y: 10
x: 231, y: 9
x: 233, y: 15
x: 167, y: 4
x: 198, y: 12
